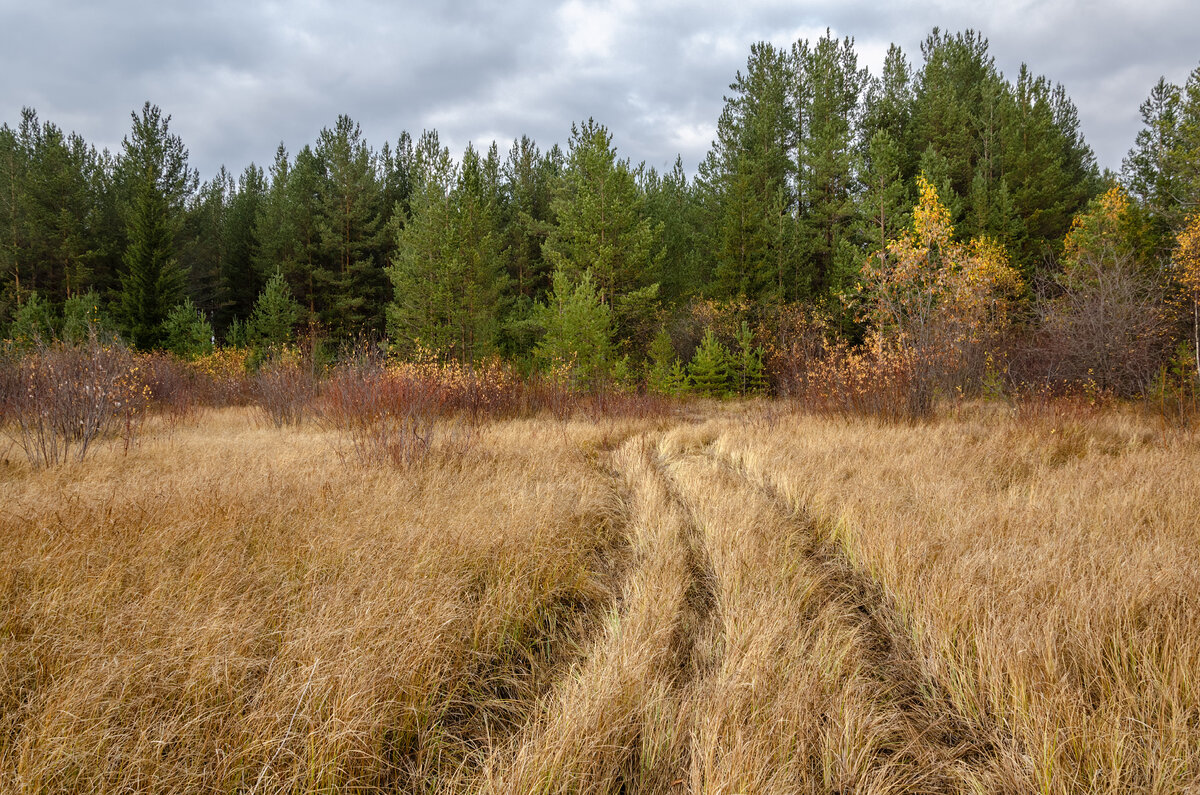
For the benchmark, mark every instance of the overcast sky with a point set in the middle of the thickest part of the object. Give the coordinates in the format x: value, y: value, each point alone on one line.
x: 239, y: 77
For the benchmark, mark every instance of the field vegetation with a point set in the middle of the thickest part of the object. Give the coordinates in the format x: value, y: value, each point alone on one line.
x: 390, y: 589
x: 863, y: 460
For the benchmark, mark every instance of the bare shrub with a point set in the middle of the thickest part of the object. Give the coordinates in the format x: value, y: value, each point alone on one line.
x: 796, y: 342
x: 1108, y: 324
x: 283, y: 390
x: 176, y: 389
x: 223, y: 377
x: 1104, y: 318
x: 62, y: 398
x: 387, y: 415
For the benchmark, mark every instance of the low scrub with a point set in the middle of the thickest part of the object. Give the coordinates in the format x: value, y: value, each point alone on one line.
x: 59, y: 399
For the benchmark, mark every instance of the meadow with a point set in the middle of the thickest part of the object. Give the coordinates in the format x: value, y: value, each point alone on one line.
x: 694, y: 597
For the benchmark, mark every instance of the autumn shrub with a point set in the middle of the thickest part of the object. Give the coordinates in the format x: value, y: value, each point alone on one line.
x: 223, y: 377
x: 945, y: 307
x: 1060, y: 402
x: 1174, y: 395
x: 795, y: 341
x: 176, y: 389
x: 547, y: 392
x: 9, y: 381
x: 939, y: 313
x: 62, y: 398
x: 387, y: 415
x: 877, y: 380
x: 284, y: 390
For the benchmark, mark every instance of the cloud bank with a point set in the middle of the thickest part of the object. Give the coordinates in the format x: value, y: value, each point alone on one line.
x: 239, y: 77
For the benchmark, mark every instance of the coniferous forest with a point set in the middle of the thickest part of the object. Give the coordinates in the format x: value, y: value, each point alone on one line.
x: 937, y: 206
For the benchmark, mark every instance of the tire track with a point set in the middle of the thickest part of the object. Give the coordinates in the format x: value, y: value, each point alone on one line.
x: 695, y: 640
x: 972, y: 754
x: 611, y: 724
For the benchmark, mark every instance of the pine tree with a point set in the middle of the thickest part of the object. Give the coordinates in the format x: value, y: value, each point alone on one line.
x: 204, y: 250
x: 747, y: 371
x: 577, y: 331
x: 530, y: 182
x: 33, y: 322
x: 886, y: 201
x: 275, y: 314
x: 664, y: 373
x: 1187, y: 155
x: 59, y: 199
x: 83, y: 317
x: 188, y: 333
x: 350, y: 230
x: 601, y: 225
x: 888, y: 107
x: 827, y: 106
x: 241, y: 277
x: 476, y: 265
x: 15, y: 155
x: 1151, y: 173
x: 709, y: 368
x: 671, y: 205
x: 447, y: 274
x: 747, y: 183
x: 289, y: 230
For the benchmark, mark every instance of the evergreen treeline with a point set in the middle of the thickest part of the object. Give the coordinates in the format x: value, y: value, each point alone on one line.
x: 519, y: 253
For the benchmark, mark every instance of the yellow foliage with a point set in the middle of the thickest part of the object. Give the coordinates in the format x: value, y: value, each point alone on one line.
x: 931, y: 219
x: 223, y: 364
x: 931, y: 293
x: 1187, y: 257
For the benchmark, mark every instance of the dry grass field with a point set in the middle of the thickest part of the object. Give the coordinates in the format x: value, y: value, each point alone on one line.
x: 728, y: 599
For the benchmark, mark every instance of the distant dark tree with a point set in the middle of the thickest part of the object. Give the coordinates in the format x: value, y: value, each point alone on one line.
x: 351, y: 275
x: 156, y: 183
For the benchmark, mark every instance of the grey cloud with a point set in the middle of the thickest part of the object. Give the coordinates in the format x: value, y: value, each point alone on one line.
x: 240, y: 77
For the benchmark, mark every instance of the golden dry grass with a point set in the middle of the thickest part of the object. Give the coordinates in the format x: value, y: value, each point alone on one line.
x: 744, y: 601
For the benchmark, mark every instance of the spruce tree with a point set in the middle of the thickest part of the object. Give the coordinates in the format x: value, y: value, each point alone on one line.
x: 156, y: 182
